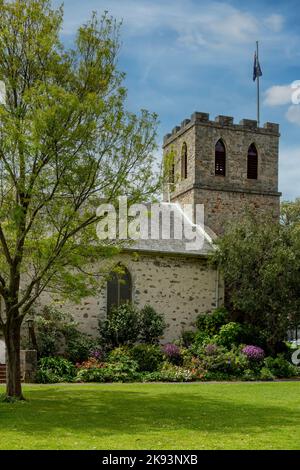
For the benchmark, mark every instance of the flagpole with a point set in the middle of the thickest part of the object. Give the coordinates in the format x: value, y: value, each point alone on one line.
x: 258, y: 91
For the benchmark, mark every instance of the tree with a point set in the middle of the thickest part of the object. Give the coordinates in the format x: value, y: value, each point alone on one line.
x: 66, y: 142
x: 260, y: 261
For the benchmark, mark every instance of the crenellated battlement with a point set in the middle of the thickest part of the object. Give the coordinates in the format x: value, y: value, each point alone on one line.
x: 245, y: 125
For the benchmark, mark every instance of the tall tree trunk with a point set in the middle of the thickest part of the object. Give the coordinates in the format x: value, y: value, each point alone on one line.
x: 12, y: 341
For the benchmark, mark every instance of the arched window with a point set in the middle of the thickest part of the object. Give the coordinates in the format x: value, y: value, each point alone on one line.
x: 220, y: 158
x: 184, y: 162
x: 252, y: 163
x: 119, y: 289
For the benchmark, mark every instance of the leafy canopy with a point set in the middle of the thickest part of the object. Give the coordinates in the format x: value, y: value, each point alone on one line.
x: 66, y: 144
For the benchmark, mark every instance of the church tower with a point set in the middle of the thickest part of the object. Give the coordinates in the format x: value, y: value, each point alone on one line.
x: 230, y: 168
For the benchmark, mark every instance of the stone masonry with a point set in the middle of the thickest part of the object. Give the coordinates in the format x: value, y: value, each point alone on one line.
x: 225, y: 198
x: 180, y: 287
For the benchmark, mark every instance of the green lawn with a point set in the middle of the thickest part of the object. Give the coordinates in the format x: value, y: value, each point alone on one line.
x: 154, y: 416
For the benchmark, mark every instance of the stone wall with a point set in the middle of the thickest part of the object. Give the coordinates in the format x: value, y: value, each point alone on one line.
x: 226, y: 197
x: 180, y: 287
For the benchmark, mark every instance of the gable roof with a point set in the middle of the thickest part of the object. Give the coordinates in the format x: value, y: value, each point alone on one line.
x: 166, y: 244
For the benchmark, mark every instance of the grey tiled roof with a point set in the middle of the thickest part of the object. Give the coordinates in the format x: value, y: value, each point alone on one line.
x: 166, y: 245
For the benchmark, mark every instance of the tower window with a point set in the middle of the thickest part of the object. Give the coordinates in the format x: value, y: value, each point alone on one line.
x: 220, y: 159
x: 172, y: 174
x: 252, y: 163
x: 119, y: 289
x: 184, y: 162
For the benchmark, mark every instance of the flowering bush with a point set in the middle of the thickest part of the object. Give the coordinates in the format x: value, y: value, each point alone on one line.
x: 253, y: 353
x: 91, y: 363
x: 97, y: 354
x: 172, y: 353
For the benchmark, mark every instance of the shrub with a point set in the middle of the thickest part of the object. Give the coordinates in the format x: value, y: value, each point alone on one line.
x: 216, y: 375
x: 55, y: 369
x: 280, y: 367
x: 216, y: 358
x: 266, y: 374
x: 216, y: 361
x: 253, y: 353
x: 121, y: 327
x: 172, y: 353
x: 237, y: 362
x: 52, y: 326
x: 249, y: 375
x: 48, y: 377
x: 172, y: 373
x: 149, y: 357
x: 91, y: 375
x: 79, y: 346
x: 56, y: 334
x: 229, y: 334
x: 120, y: 354
x: 187, y: 338
x: 110, y: 372
x: 91, y: 363
x: 201, y: 338
x: 151, y: 325
x: 187, y: 357
x: 252, y: 334
x: 211, y: 323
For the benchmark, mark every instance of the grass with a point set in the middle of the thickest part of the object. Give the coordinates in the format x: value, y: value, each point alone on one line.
x: 154, y: 416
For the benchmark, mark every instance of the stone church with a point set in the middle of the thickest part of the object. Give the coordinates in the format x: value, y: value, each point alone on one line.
x: 228, y: 167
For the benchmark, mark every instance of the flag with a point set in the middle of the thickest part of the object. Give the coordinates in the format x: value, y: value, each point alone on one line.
x: 256, y: 69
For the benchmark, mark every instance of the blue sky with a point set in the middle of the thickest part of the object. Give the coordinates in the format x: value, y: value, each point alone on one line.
x: 182, y: 56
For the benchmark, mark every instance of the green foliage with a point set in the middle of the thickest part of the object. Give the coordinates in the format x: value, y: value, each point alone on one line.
x: 169, y: 373
x: 120, y: 354
x: 149, y: 357
x: 79, y: 346
x: 216, y: 376
x: 255, y: 257
x: 152, y: 325
x: 124, y: 371
x: 52, y: 326
x: 126, y: 325
x: 55, y: 369
x: 121, y: 326
x: 187, y: 338
x: 229, y: 334
x: 210, y: 323
x: 56, y: 333
x: 281, y: 368
x: 201, y: 338
x: 249, y: 375
x: 266, y: 374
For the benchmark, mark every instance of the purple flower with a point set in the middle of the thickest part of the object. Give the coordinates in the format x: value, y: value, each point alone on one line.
x: 171, y: 350
x: 96, y: 354
x: 253, y: 353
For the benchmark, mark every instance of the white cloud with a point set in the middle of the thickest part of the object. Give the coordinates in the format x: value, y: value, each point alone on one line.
x: 293, y: 114
x: 275, y: 22
x: 289, y: 172
x: 278, y: 95
x: 195, y: 24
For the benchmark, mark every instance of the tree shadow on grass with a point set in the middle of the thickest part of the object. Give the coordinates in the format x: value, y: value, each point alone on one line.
x: 111, y: 411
